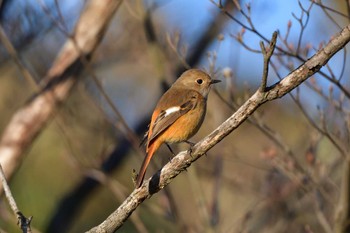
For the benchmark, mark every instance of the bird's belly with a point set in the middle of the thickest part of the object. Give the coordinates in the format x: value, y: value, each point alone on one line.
x: 186, y: 126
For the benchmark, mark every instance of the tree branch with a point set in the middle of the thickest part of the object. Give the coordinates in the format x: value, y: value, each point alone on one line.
x: 184, y: 159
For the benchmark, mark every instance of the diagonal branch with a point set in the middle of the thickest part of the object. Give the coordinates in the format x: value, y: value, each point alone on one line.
x: 28, y: 121
x: 184, y: 159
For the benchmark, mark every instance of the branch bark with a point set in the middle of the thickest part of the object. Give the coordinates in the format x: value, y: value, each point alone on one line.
x: 28, y: 121
x: 184, y: 159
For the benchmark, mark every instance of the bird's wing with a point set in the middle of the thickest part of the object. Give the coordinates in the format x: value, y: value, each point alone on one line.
x: 168, y: 116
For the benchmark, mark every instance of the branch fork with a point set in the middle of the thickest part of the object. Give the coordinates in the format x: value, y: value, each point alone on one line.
x: 267, y: 53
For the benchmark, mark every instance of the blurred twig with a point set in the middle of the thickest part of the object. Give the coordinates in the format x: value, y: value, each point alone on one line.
x: 322, y: 219
x: 205, y: 39
x: 326, y: 8
x: 200, y: 202
x: 23, y: 222
x: 129, y: 133
x: 14, y: 55
x: 215, y: 203
x: 303, y: 20
x: 342, y: 215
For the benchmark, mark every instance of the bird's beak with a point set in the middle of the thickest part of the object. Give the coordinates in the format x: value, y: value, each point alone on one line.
x: 213, y: 81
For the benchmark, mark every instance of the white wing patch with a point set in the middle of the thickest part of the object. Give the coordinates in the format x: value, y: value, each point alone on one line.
x: 171, y: 110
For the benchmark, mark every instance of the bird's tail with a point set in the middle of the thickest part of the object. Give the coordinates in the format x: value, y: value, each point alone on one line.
x: 150, y: 151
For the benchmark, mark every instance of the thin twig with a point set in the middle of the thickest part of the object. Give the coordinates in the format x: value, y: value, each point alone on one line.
x: 23, y: 222
x: 303, y: 23
x: 342, y: 209
x: 326, y: 8
x: 267, y: 56
x: 16, y: 58
x: 322, y: 219
x: 174, y: 44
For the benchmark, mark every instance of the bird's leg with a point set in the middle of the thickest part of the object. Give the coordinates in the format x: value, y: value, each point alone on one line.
x: 171, y: 150
x: 191, y: 145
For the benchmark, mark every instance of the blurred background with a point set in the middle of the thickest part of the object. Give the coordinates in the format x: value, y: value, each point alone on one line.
x: 281, y: 171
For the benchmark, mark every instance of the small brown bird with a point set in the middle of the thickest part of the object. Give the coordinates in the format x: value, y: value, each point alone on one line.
x: 179, y: 113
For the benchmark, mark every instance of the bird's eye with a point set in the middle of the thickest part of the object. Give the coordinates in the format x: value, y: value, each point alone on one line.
x: 199, y: 81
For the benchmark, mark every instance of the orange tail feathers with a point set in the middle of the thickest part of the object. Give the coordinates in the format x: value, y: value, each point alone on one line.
x: 151, y: 149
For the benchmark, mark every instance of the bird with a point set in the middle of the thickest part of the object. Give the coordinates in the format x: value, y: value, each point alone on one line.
x: 178, y: 114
